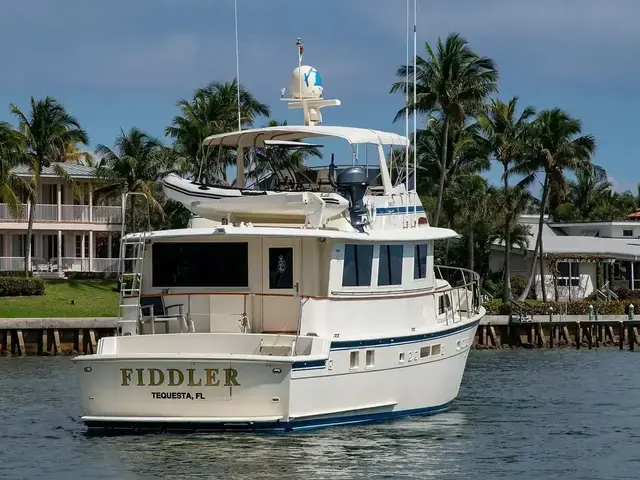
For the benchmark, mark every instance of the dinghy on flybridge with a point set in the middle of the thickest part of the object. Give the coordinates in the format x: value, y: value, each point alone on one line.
x: 286, y: 310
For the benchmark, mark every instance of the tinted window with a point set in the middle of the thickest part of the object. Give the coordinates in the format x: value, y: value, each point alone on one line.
x: 200, y: 264
x: 390, y: 265
x: 280, y: 268
x: 420, y: 261
x: 357, y: 265
x: 563, y: 269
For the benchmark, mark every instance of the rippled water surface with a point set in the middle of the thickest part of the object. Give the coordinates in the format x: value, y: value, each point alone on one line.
x: 521, y: 414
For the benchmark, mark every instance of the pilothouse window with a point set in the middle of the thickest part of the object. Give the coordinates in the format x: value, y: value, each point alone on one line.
x: 420, y: 261
x: 356, y: 271
x: 205, y: 264
x: 390, y: 265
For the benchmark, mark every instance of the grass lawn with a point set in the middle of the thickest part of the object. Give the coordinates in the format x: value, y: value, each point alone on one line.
x: 93, y: 298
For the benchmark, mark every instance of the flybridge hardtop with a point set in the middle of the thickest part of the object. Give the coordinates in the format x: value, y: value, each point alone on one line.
x: 256, y: 137
x: 285, y: 309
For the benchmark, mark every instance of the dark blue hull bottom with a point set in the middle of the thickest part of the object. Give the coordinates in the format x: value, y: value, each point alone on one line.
x: 119, y: 428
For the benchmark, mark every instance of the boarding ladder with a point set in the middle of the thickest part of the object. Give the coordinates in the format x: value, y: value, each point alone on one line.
x: 130, y: 269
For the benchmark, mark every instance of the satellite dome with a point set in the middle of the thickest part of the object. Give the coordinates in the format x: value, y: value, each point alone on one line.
x: 309, y: 79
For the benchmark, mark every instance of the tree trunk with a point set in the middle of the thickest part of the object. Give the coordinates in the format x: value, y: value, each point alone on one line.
x: 506, y: 271
x: 471, y: 246
x: 537, y: 249
x: 443, y: 169
x: 555, y: 279
x: 27, y: 243
x: 545, y: 200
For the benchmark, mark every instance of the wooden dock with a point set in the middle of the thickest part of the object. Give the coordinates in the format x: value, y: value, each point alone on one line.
x: 73, y: 336
x: 571, y: 331
x: 53, y: 336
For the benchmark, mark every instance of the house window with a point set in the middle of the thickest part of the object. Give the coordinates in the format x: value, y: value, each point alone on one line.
x: 1, y: 245
x: 205, y: 264
x: 390, y: 265
x: 79, y: 246
x: 627, y: 233
x: 356, y: 271
x: 420, y: 261
x: 19, y: 245
x: 568, y: 274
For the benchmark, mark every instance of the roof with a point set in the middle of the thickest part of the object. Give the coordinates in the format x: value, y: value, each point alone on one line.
x: 596, y: 224
x: 626, y: 248
x: 383, y: 235
x: 74, y: 170
x: 255, y: 137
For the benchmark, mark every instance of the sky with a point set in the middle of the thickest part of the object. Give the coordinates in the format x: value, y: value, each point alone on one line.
x: 120, y: 64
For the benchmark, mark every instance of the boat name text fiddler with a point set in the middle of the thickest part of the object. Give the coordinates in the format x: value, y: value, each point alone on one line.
x: 174, y: 377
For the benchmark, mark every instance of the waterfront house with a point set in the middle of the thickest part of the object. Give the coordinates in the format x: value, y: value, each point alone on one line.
x: 581, y: 258
x: 70, y: 232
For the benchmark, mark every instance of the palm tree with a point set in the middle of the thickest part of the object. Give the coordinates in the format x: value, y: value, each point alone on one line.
x: 134, y: 165
x: 12, y: 149
x: 72, y: 154
x: 470, y: 198
x: 213, y: 109
x: 264, y: 162
x: 467, y: 154
x: 47, y: 130
x: 588, y: 197
x: 505, y: 131
x: 556, y: 147
x: 452, y: 83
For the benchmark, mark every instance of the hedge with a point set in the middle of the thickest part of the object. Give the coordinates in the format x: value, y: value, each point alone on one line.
x: 91, y: 275
x: 538, y: 307
x: 21, y: 286
x: 13, y: 273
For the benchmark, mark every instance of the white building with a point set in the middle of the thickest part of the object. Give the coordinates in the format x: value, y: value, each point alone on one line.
x: 69, y: 234
x: 576, y: 249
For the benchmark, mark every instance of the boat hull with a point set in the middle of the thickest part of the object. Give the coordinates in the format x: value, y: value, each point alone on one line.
x: 276, y: 395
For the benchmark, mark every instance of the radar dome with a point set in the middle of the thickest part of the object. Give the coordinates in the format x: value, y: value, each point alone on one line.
x: 307, y: 78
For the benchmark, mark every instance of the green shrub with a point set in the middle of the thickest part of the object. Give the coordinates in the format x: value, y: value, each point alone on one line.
x: 518, y: 284
x: 624, y: 293
x: 13, y: 273
x: 21, y: 286
x: 538, y: 307
x: 91, y: 275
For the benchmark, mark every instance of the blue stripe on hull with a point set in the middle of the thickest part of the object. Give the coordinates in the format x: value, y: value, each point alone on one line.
x: 274, y: 427
x: 383, y: 342
x: 386, y: 342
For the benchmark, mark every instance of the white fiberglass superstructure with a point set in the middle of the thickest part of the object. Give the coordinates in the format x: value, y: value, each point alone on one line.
x: 285, y: 310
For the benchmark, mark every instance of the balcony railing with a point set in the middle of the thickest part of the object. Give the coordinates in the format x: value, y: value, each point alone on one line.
x: 66, y: 214
x: 68, y: 264
x: 11, y: 263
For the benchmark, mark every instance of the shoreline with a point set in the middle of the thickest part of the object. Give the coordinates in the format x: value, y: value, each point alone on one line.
x: 80, y: 335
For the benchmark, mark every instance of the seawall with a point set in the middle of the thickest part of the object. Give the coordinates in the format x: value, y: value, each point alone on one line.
x: 570, y: 331
x: 72, y: 336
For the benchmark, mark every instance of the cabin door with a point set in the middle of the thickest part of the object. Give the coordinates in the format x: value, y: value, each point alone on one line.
x: 281, y: 266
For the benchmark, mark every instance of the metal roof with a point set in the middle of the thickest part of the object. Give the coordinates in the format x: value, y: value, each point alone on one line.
x: 74, y: 170
x: 626, y: 248
x: 255, y: 137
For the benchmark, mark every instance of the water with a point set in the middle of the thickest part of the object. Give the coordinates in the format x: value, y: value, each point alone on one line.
x: 521, y: 414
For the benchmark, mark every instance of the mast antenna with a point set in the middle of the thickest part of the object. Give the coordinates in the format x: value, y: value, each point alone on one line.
x: 406, y: 121
x: 235, y: 8
x: 415, y: 110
